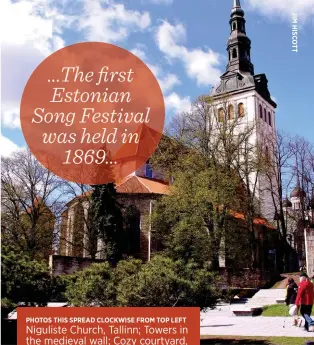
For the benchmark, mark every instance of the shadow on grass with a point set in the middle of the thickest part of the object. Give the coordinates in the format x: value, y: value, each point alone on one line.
x: 214, y: 341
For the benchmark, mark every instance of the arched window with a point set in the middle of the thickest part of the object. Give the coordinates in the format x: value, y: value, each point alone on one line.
x: 260, y: 111
x: 234, y: 53
x: 133, y: 233
x: 78, y: 231
x: 221, y: 115
x: 267, y: 154
x: 241, y: 110
x: 234, y: 26
x: 265, y: 117
x: 230, y: 112
x: 269, y: 119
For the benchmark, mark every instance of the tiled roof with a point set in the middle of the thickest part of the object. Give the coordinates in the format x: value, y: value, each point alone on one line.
x: 142, y: 185
x: 135, y: 185
x: 257, y: 220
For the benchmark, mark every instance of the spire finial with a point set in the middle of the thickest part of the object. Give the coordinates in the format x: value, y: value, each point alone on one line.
x: 237, y: 8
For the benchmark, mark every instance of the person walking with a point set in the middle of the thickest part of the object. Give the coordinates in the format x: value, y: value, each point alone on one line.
x: 304, y: 299
x: 292, y: 290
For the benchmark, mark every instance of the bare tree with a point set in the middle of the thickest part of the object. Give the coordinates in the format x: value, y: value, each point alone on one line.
x: 302, y: 166
x: 32, y: 201
x: 289, y: 165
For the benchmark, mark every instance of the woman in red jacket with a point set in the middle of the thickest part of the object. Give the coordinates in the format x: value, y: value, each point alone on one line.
x: 305, y: 299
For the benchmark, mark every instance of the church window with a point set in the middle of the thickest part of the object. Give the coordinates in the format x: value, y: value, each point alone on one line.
x: 269, y: 119
x: 234, y: 27
x: 132, y: 218
x: 221, y: 115
x: 241, y: 110
x: 78, y: 231
x: 265, y: 116
x: 230, y: 112
x: 234, y: 53
x: 260, y: 111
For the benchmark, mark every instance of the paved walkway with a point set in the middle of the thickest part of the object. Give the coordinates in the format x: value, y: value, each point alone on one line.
x: 222, y: 322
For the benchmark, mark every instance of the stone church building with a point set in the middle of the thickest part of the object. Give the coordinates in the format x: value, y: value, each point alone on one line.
x: 137, y: 195
x: 248, y: 99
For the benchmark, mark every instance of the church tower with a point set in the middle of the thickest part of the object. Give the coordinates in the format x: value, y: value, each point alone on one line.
x: 249, y: 99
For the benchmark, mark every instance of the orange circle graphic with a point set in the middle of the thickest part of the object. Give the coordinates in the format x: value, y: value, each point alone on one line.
x: 92, y: 113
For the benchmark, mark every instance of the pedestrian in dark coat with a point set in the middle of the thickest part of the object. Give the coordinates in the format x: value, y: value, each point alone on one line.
x: 292, y: 290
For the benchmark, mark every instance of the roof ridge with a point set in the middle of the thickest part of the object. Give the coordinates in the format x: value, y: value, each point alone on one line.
x: 138, y: 178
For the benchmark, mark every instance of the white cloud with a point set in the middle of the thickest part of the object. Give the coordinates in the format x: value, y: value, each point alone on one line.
x: 33, y: 29
x: 7, y: 146
x: 11, y: 118
x: 199, y: 64
x: 34, y: 22
x: 140, y: 53
x: 166, y: 81
x: 176, y: 104
x: 284, y: 8
x: 111, y: 22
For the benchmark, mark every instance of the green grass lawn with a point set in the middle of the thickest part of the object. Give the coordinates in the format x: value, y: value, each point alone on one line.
x: 234, y: 340
x: 276, y: 310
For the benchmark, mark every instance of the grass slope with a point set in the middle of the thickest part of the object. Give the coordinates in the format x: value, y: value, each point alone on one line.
x: 276, y: 310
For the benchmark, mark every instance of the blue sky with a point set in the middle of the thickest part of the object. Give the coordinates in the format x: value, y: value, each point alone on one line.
x: 183, y: 42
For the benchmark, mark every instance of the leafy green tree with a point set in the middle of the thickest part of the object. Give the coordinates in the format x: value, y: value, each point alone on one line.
x: 193, y: 219
x: 24, y: 279
x: 189, y: 241
x: 93, y: 286
x: 105, y: 222
x: 163, y: 282
x: 214, y: 162
x: 127, y: 268
x: 160, y: 282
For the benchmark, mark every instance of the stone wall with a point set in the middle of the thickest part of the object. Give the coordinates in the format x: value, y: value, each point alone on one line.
x: 309, y: 248
x: 246, y: 278
x: 59, y: 264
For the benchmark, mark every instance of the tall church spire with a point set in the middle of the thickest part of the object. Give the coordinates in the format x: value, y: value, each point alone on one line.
x: 239, y: 74
x: 239, y: 45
